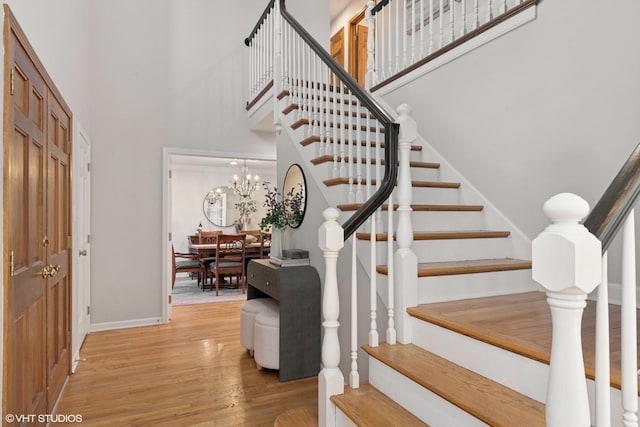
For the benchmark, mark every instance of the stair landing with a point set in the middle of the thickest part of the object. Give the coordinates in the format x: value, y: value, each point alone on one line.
x: 521, y: 323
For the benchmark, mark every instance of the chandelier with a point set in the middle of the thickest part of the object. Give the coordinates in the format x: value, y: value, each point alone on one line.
x: 245, y: 185
x: 214, y: 196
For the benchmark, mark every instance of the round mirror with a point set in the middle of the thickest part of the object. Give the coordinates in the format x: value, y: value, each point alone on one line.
x: 295, y: 195
x: 219, y: 206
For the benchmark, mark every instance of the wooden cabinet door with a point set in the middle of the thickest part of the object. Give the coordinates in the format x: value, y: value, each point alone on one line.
x: 59, y: 235
x: 25, y: 185
x: 37, y: 232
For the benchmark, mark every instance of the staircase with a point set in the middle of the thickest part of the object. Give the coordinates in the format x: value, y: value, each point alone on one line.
x: 475, y: 329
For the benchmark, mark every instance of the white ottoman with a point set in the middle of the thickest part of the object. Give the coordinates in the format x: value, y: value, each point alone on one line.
x: 250, y: 310
x: 267, y: 338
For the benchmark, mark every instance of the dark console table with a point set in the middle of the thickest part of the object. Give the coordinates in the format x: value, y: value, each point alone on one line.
x: 298, y: 291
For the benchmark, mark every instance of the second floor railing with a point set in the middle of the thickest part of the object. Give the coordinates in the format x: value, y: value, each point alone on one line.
x: 411, y: 33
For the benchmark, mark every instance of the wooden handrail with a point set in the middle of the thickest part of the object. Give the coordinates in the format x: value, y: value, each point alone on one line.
x: 609, y: 214
x: 391, y: 129
x: 262, y: 18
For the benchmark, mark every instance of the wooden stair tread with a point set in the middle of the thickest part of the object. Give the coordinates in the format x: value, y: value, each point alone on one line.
x: 420, y: 208
x: 481, y: 397
x: 428, y: 269
x: 441, y: 235
x: 315, y: 138
x: 448, y: 268
x: 328, y: 158
x: 304, y: 416
x: 366, y: 406
x: 331, y: 125
x: 418, y: 184
x: 354, y: 114
x: 521, y: 323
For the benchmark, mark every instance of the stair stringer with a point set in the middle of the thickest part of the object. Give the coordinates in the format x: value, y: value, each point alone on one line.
x: 516, y: 246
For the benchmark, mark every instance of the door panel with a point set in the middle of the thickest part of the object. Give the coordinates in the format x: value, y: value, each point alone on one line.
x: 58, y: 227
x: 25, y: 187
x: 37, y: 232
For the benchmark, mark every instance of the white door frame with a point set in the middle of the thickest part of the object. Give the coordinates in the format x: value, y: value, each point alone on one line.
x: 167, y: 153
x: 81, y: 223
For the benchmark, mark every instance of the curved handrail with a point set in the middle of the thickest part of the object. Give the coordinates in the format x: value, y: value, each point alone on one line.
x: 390, y: 127
x: 609, y: 214
x: 378, y: 7
x: 264, y: 15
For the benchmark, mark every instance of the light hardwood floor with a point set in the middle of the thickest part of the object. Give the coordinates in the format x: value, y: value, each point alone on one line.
x: 191, y: 371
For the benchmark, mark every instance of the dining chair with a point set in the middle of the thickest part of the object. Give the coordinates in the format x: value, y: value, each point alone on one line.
x: 188, y: 264
x: 230, y: 260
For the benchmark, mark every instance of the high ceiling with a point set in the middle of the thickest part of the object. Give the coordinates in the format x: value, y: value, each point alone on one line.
x: 336, y: 6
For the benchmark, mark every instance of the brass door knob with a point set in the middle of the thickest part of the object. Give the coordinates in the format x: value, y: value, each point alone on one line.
x: 47, y: 272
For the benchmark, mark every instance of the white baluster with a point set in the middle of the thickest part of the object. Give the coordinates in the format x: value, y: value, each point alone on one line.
x: 414, y: 6
x: 382, y: 69
x: 503, y: 7
x: 354, y: 376
x: 567, y: 263
x: 421, y: 26
x: 489, y: 10
x: 405, y: 260
x: 476, y: 14
x: 346, y: 136
x: 603, y: 380
x: 463, y: 7
x: 391, y: 326
x: 441, y: 23
x: 330, y: 378
x: 329, y: 93
x: 397, y: 36
x: 313, y: 81
x: 389, y: 38
x: 431, y: 24
x: 278, y: 70
x: 373, y: 286
x: 338, y: 118
x: 323, y: 114
x: 452, y: 24
x: 628, y: 350
x: 359, y: 183
x: 370, y: 78
x: 352, y: 167
x: 406, y: 26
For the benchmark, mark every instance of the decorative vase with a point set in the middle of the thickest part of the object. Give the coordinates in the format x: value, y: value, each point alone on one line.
x: 276, y: 242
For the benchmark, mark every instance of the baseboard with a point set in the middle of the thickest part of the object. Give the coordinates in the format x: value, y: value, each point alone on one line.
x: 108, y: 326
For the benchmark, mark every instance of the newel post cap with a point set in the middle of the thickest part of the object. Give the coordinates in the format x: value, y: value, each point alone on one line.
x: 330, y: 234
x: 566, y: 256
x: 408, y: 126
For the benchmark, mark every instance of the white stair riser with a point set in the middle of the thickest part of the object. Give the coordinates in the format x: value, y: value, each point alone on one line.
x: 519, y: 373
x: 422, y: 403
x: 461, y: 249
x: 342, y: 420
x: 464, y: 286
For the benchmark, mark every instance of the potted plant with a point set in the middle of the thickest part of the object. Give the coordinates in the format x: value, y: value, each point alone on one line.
x: 280, y: 213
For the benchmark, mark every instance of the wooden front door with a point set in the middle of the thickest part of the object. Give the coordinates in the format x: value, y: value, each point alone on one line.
x: 36, y: 183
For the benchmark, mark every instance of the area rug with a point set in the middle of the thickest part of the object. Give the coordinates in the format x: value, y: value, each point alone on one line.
x: 187, y: 292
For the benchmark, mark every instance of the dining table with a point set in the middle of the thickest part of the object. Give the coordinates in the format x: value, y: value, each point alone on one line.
x: 253, y: 250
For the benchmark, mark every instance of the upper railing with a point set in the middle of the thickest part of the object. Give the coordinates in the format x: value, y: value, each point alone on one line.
x: 609, y: 214
x: 306, y: 80
x: 411, y: 33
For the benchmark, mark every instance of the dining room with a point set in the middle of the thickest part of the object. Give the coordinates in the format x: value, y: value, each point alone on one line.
x: 213, y: 196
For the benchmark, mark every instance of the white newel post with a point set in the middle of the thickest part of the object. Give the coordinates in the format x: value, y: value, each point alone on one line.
x: 370, y: 76
x: 567, y: 263
x: 405, y: 260
x: 330, y: 379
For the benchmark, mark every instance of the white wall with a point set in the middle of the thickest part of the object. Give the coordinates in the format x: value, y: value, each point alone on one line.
x: 166, y: 73
x: 342, y: 21
x: 550, y: 107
